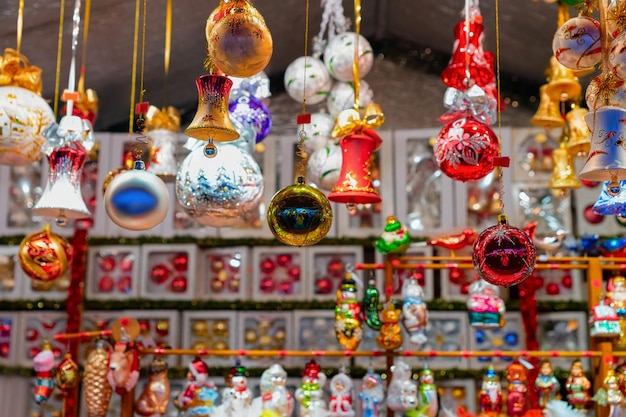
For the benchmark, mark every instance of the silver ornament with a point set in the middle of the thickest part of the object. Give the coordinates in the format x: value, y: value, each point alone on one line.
x: 318, y: 80
x: 339, y: 56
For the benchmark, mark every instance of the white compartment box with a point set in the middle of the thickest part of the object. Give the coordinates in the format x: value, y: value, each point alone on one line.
x: 224, y: 273
x: 563, y: 331
x: 510, y: 337
x: 168, y: 272
x: 37, y: 327
x: 10, y: 338
x: 425, y: 276
x: 264, y: 330
x: 211, y: 330
x: 315, y: 331
x: 12, y: 278
x: 279, y: 273
x: 113, y: 272
x: 328, y: 266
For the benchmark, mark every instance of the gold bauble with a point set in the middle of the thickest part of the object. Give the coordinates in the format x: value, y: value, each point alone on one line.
x: 200, y: 328
x: 219, y: 345
x: 220, y: 328
x: 199, y: 345
x: 250, y: 337
x: 265, y: 340
x: 299, y: 215
x: 458, y: 394
x: 44, y: 256
x: 240, y: 44
x: 163, y: 327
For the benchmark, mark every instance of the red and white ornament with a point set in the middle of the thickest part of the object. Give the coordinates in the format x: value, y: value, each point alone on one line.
x: 576, y: 44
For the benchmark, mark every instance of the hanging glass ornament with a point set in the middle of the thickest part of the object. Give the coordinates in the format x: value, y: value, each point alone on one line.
x: 395, y: 238
x: 43, y: 363
x: 44, y: 256
x: 318, y: 132
x: 465, y: 149
x: 96, y: 388
x: 299, y: 215
x: 504, y: 255
x: 414, y: 311
x: 402, y: 391
x: 341, y: 97
x: 274, y: 393
x: 136, y: 199
x: 251, y: 112
x: 67, y: 374
x: 612, y: 199
x: 339, y: 56
x: 372, y: 394
x: 318, y: 80
x: 485, y: 308
x: 371, y: 306
x: 348, y: 326
x: 239, y: 42
x: 607, y: 89
x: 341, y: 394
x: 323, y: 166
x: 155, y: 397
x: 162, y: 127
x: 223, y: 192
x: 576, y: 44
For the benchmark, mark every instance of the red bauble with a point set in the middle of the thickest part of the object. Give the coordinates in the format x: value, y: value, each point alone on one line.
x: 589, y: 183
x: 31, y: 334
x: 323, y: 286
x: 124, y: 284
x: 4, y: 350
x: 126, y: 264
x: 465, y: 288
x: 179, y: 284
x: 567, y: 282
x: 552, y: 289
x: 106, y: 284
x: 267, y: 266
x: 456, y: 275
x: 267, y: 285
x: 283, y: 260
x: 504, y: 255
x: 294, y: 273
x: 592, y: 217
x: 160, y: 273
x: 336, y: 268
x: 107, y: 263
x: 180, y: 262
x: 465, y: 149
x: 286, y: 287
x: 144, y: 326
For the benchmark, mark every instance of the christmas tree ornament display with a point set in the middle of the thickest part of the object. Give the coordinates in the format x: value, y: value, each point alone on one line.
x: 516, y: 399
x: 348, y: 326
x: 155, y: 396
x: 395, y: 238
x: 43, y: 363
x: 414, y: 311
x: 390, y: 337
x: 224, y: 192
x: 485, y: 308
x: 324, y: 165
x: 274, y: 394
x: 465, y: 149
x: 199, y: 395
x: 44, y: 256
x: 239, y: 42
x: 97, y: 389
x: 576, y: 44
x: 402, y: 391
x: 299, y: 215
x: 504, y: 255
x: 339, y: 56
x: 341, y: 395
x: 318, y: 81
x: 23, y: 109
x: 251, y: 112
x: 490, y: 395
x: 310, y: 393
x: 212, y: 119
x: 607, y: 157
x: 136, y: 199
x: 372, y: 394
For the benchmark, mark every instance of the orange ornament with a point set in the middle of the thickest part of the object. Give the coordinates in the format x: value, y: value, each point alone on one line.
x: 44, y: 256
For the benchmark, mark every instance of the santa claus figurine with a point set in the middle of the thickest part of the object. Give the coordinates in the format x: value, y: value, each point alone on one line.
x: 490, y: 394
x: 340, y: 404
x: 200, y: 395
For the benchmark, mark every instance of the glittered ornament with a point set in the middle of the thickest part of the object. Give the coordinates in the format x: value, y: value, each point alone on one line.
x: 299, y: 215
x: 348, y: 326
x: 96, y: 388
x: 240, y: 44
x: 390, y: 337
x: 615, y: 21
x: 323, y: 167
x: 485, y: 308
x: 402, y: 394
x: 576, y: 44
x: 317, y: 133
x: 43, y: 363
x: 465, y: 149
x: 24, y: 115
x: 318, y: 80
x: 612, y: 199
x: 155, y: 396
x: 341, y: 97
x: 136, y: 199
x: 223, y: 192
x: 67, y: 374
x: 339, y: 56
x: 257, y: 86
x: 503, y: 255
x: 251, y: 112
x: 607, y: 89
x: 44, y: 256
x: 617, y: 55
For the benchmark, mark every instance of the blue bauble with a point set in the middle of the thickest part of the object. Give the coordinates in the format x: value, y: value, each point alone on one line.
x: 511, y: 339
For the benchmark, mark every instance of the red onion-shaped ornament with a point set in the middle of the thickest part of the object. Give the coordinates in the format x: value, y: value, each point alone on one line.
x: 465, y: 149
x: 504, y: 255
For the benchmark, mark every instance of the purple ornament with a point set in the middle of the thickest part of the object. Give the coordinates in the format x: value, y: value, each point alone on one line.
x: 252, y: 112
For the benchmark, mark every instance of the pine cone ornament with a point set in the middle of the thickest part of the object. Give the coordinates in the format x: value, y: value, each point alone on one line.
x: 98, y: 391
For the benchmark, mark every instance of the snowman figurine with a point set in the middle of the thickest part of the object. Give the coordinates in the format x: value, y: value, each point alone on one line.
x: 310, y: 394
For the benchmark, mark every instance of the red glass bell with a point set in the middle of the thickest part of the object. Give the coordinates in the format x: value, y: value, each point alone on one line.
x: 354, y: 185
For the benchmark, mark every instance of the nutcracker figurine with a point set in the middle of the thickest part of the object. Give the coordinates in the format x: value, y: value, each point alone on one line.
x: 546, y: 384
x: 516, y: 401
x: 578, y: 387
x: 490, y: 394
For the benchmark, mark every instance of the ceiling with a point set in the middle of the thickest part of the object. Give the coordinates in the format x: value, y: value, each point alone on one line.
x: 402, y: 32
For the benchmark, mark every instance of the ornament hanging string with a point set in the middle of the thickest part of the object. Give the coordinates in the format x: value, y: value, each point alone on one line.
x: 83, y: 57
x: 20, y: 25
x: 334, y: 20
x: 167, y: 49
x: 57, y: 75
x: 604, y: 38
x: 71, y: 82
x: 501, y: 162
x: 140, y: 107
x: 355, y: 63
x: 304, y: 118
x: 468, y: 75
